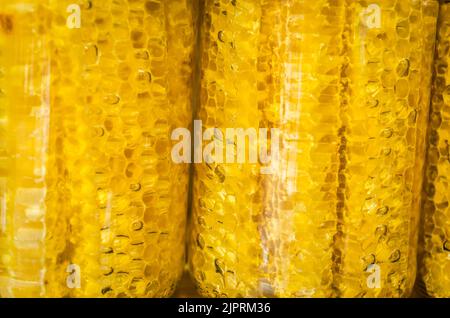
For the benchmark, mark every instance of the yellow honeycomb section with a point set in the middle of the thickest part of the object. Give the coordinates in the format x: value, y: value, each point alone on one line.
x: 117, y: 83
x: 299, y: 88
x: 436, y: 248
x: 348, y: 91
x: 389, y: 61
x: 134, y: 72
x: 226, y: 245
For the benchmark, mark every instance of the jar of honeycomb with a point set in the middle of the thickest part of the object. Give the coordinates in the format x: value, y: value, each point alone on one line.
x: 92, y: 204
x: 337, y: 92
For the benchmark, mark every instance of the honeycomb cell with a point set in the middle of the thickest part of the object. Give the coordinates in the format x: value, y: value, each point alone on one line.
x: 346, y: 85
x: 435, y: 251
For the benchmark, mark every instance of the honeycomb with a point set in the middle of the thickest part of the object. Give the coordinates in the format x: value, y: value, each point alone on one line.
x: 226, y: 246
x: 118, y: 85
x: 435, y: 261
x: 388, y: 76
x: 348, y: 91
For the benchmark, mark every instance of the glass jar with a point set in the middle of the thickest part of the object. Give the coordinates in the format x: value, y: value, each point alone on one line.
x: 337, y: 92
x: 94, y: 204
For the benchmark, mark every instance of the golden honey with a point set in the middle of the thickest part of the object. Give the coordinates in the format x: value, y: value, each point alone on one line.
x: 435, y: 250
x: 89, y: 183
x: 347, y: 85
x: 389, y: 72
